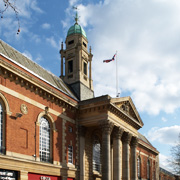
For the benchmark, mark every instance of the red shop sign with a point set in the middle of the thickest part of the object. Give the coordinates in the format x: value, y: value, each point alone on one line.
x: 42, y: 177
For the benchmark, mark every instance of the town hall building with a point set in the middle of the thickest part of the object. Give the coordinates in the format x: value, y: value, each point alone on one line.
x: 54, y: 128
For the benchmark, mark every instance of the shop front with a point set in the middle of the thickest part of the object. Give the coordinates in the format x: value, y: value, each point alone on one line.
x: 32, y: 176
x: 8, y: 174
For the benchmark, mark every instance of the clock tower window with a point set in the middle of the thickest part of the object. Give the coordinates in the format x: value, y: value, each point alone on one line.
x: 85, y: 68
x: 70, y: 66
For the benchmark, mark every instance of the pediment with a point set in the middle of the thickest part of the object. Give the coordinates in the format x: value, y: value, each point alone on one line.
x: 126, y: 105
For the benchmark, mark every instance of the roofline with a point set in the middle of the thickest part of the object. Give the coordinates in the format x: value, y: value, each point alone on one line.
x: 20, y: 65
x: 148, y: 146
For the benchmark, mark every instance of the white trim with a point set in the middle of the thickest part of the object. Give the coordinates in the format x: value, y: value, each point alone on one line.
x: 34, y: 103
x: 70, y: 161
x: 7, y: 110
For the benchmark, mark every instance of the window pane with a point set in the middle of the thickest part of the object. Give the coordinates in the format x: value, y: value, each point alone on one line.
x: 96, y: 154
x: 148, y: 169
x: 70, y: 154
x: 2, y: 149
x: 44, y: 138
x: 85, y: 68
x: 139, y: 167
x: 70, y: 66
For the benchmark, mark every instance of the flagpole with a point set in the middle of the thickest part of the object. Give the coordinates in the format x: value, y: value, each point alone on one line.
x: 116, y: 76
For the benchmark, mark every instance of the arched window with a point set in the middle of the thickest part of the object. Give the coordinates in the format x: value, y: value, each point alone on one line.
x: 139, y: 167
x: 44, y: 140
x: 96, y: 154
x: 2, y: 129
x: 148, y: 169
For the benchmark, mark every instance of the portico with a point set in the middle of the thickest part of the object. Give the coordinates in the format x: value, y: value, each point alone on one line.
x: 115, y: 121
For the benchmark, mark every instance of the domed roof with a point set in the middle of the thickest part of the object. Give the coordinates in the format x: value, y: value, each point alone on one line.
x: 76, y: 29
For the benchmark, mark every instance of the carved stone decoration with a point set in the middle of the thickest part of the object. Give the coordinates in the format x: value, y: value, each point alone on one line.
x: 24, y: 109
x: 117, y: 132
x: 106, y: 126
x: 134, y: 141
x: 125, y: 107
x: 127, y: 137
x: 46, y: 109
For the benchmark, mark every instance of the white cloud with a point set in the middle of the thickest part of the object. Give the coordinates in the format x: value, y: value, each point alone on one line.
x: 73, y: 2
x: 164, y: 162
x: 26, y: 8
x: 164, y: 135
x: 9, y: 24
x: 46, y: 26
x: 164, y: 119
x: 54, y: 43
x: 38, y: 58
x: 146, y: 36
x: 27, y: 54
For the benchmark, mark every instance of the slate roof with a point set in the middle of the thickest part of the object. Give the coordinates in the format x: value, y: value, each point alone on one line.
x: 21, y: 60
x: 143, y: 138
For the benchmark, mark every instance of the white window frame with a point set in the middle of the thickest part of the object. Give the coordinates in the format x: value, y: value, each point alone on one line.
x: 1, y: 128
x: 45, y: 140
x: 96, y: 154
x: 70, y: 154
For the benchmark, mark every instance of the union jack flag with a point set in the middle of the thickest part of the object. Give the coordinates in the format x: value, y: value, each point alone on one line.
x: 109, y: 60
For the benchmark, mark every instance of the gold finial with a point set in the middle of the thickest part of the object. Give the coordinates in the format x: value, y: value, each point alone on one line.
x: 76, y: 17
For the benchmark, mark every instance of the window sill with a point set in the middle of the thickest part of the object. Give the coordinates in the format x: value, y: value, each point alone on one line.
x: 71, y: 165
x: 96, y: 174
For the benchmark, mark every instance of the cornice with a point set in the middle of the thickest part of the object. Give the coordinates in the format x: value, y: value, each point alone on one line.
x: 33, y: 84
x: 148, y: 147
x: 103, y: 104
x: 120, y: 113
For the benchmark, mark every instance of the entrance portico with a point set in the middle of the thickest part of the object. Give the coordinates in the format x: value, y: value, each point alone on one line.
x: 116, y: 122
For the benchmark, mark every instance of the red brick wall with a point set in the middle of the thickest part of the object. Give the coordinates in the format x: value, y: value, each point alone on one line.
x: 20, y: 132
x: 146, y: 155
x: 71, y: 140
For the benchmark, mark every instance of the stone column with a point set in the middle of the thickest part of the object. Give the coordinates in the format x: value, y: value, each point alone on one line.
x: 82, y: 132
x: 107, y: 127
x: 126, y: 169
x: 117, y: 134
x: 134, y: 143
x: 24, y: 175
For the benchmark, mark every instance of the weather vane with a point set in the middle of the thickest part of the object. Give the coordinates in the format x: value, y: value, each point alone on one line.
x: 76, y: 17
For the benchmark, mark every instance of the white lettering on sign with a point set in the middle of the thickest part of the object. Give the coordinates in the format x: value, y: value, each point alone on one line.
x: 45, y: 178
x: 6, y: 173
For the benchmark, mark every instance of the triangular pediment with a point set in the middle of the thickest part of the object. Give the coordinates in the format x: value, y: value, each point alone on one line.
x: 126, y: 105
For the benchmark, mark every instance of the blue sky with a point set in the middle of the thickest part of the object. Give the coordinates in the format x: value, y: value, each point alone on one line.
x: 146, y: 35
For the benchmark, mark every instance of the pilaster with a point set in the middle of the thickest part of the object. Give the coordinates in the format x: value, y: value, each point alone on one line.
x: 134, y: 143
x: 23, y: 175
x: 126, y: 169
x: 117, y: 134
x: 82, y: 132
x: 107, y: 127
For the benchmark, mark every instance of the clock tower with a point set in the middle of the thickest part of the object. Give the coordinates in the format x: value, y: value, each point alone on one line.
x: 76, y: 62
